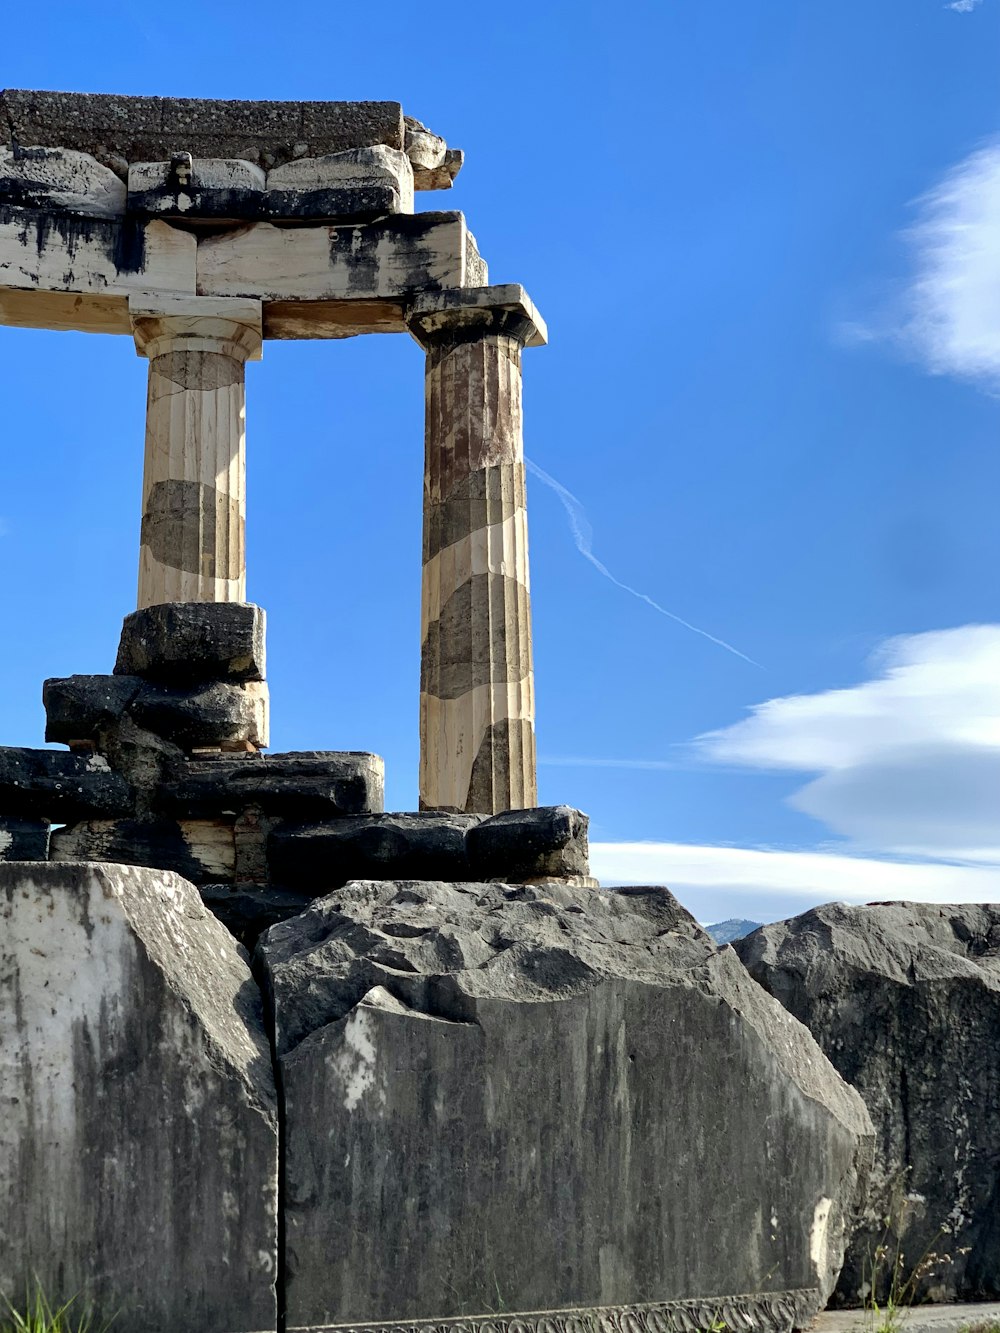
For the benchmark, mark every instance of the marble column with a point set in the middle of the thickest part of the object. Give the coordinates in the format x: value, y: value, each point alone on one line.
x: 477, y: 699
x: 194, y: 482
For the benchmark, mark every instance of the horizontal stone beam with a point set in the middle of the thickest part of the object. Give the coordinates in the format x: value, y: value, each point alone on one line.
x: 148, y: 129
x: 78, y: 274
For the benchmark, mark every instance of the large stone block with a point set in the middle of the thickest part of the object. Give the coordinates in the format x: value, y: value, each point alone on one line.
x: 904, y: 998
x: 138, y: 1141
x: 86, y: 708
x: 517, y: 1099
x: 325, y: 856
x: 183, y: 642
x: 359, y: 183
x: 60, y: 179
x: 543, y: 843
x: 307, y: 783
x: 201, y: 850
x: 217, y: 713
x: 50, y: 784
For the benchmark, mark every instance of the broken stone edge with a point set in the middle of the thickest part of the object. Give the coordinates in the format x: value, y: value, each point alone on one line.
x: 762, y: 1312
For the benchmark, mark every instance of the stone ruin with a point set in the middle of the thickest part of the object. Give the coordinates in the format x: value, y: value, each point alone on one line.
x: 270, y: 1056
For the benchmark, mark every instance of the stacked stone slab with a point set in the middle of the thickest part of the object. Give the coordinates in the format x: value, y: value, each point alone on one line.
x: 904, y: 998
x: 504, y: 1099
x: 165, y: 770
x: 139, y: 1134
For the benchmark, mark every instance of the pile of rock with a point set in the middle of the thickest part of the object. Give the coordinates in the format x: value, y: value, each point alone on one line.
x: 165, y: 770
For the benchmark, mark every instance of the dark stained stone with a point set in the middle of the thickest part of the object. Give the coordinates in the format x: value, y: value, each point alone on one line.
x: 153, y: 129
x: 217, y: 713
x: 481, y: 636
x: 183, y: 642
x: 248, y: 909
x: 201, y: 851
x: 24, y: 839
x: 507, y: 743
x: 480, y: 499
x: 179, y: 528
x: 320, y: 857
x: 904, y: 998
x: 545, y: 1098
x: 139, y: 1135
x: 529, y: 844
x: 53, y: 785
x: 83, y: 708
x: 308, y: 784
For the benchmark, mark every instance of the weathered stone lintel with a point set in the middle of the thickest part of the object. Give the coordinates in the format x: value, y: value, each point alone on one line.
x: 759, y: 1312
x: 70, y: 273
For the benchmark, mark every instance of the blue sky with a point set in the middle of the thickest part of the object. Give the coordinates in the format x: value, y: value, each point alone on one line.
x: 763, y: 234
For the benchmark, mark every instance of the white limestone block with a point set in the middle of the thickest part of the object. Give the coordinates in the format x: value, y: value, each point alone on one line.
x: 138, y: 1141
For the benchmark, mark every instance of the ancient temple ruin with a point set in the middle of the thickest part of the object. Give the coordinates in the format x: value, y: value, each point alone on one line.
x: 455, y: 1086
x: 202, y: 229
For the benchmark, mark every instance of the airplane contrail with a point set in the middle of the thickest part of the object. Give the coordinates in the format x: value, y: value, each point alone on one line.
x: 583, y: 536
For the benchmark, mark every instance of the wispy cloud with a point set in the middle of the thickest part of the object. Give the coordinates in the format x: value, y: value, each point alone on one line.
x: 769, y: 883
x: 583, y: 536
x: 950, y: 316
x: 585, y: 761
x: 907, y: 762
x: 964, y: 6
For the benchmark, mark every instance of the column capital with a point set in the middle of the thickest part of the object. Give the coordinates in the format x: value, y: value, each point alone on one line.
x: 464, y: 314
x: 229, y: 325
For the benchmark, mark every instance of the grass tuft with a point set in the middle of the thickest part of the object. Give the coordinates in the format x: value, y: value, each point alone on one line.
x: 38, y: 1316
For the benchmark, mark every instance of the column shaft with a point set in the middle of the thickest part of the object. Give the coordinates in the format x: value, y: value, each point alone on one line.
x: 477, y: 702
x: 194, y: 481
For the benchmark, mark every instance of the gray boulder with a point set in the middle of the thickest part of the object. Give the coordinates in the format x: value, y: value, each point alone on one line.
x: 516, y: 1099
x: 138, y: 1141
x: 904, y: 998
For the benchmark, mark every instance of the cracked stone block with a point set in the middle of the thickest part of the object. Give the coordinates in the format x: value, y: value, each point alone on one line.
x: 517, y: 845
x: 904, y: 999
x: 180, y: 643
x: 24, y: 839
x: 306, y: 783
x: 53, y: 785
x: 138, y: 1140
x: 325, y: 856
x: 548, y: 1099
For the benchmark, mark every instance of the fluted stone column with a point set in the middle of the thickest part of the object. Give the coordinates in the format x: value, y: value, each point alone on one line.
x: 194, y: 481
x: 477, y: 700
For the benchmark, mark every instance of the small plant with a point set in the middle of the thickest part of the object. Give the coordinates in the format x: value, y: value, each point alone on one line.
x: 981, y: 1326
x: 38, y: 1316
x: 892, y: 1290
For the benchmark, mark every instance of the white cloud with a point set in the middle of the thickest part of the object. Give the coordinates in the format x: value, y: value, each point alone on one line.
x: 907, y: 762
x: 964, y: 6
x: 767, y: 884
x: 952, y: 320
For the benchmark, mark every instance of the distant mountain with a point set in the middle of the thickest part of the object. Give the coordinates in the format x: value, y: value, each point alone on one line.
x: 724, y: 932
